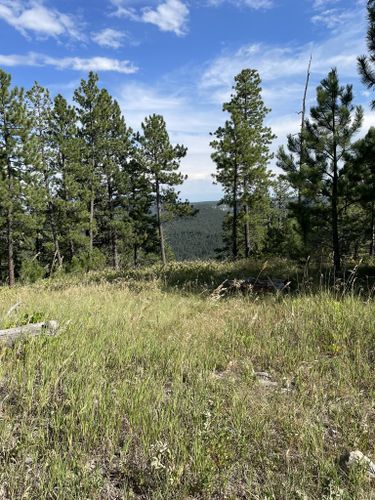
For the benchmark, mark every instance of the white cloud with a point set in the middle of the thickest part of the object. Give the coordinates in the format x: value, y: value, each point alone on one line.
x: 332, y: 18
x: 109, y: 38
x: 253, y: 4
x: 170, y: 15
x: 69, y: 63
x: 188, y: 123
x: 32, y: 16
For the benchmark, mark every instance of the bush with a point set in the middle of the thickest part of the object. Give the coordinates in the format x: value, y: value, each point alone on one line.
x: 87, y: 261
x: 31, y: 271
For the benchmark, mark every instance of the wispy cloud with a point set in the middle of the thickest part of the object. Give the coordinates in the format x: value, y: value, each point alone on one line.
x: 109, y: 38
x: 32, y: 16
x: 99, y: 64
x: 170, y: 15
x: 253, y: 4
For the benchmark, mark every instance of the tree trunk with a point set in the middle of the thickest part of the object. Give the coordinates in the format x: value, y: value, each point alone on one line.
x: 11, y: 278
x: 113, y: 235
x: 115, y: 258
x: 372, y: 244
x: 247, y: 232
x: 246, y: 225
x: 159, y: 224
x: 10, y: 242
x: 235, y: 215
x: 91, y: 227
x: 335, y: 228
x: 135, y: 255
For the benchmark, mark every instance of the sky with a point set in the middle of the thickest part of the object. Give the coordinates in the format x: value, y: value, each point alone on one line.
x: 178, y: 58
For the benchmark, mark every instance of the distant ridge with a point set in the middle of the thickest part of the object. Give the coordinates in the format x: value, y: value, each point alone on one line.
x: 193, y: 238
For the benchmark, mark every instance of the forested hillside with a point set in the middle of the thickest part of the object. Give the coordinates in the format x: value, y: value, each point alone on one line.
x: 200, y: 236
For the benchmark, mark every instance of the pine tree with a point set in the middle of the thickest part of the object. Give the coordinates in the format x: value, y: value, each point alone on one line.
x: 333, y: 123
x: 226, y: 157
x: 241, y: 156
x: 39, y: 106
x: 87, y: 96
x: 115, y: 146
x: 162, y: 162
x: 360, y: 173
x: 366, y: 64
x: 14, y: 158
x: 140, y: 203
x: 70, y: 195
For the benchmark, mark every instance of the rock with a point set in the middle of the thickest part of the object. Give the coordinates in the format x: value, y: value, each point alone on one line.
x: 265, y: 379
x: 358, y: 459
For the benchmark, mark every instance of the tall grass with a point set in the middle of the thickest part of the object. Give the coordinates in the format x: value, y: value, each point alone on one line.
x: 150, y: 393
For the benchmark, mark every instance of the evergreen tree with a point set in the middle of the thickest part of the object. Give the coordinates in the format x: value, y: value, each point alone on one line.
x: 161, y: 161
x: 70, y: 195
x: 39, y: 106
x: 87, y: 96
x: 360, y: 173
x: 241, y: 156
x: 333, y: 123
x: 15, y: 143
x: 366, y: 64
x: 305, y: 188
x: 226, y: 157
x: 140, y: 203
x: 115, y: 145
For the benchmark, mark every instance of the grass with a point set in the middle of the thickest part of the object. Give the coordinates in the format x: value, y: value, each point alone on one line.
x: 150, y: 393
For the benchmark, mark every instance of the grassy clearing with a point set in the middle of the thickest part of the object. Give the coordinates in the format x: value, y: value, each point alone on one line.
x: 148, y: 393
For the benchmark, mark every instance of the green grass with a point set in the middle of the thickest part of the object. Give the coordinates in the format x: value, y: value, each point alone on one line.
x: 149, y: 393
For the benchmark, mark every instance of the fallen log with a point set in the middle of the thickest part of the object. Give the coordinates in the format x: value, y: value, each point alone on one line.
x: 249, y: 286
x: 31, y: 330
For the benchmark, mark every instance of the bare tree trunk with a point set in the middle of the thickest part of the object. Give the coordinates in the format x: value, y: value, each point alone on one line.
x: 159, y: 224
x: 302, y: 215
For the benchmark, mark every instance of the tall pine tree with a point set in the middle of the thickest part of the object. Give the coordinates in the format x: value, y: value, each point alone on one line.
x: 87, y: 96
x: 15, y: 143
x: 162, y: 162
x: 241, y: 156
x: 329, y: 132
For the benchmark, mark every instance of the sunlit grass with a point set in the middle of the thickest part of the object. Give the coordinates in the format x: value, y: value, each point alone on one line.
x: 151, y: 393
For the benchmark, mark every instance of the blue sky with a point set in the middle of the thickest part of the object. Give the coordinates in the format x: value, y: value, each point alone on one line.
x: 178, y: 58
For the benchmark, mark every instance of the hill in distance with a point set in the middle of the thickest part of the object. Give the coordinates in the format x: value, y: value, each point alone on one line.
x: 193, y: 238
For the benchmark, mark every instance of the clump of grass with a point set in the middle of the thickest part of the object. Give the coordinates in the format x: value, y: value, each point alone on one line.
x: 126, y: 403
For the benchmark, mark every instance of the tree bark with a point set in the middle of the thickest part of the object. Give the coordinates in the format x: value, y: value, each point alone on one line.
x: 135, y: 255
x: 91, y: 227
x: 10, y: 242
x: 247, y: 232
x: 334, y: 203
x: 159, y: 224
x: 11, y: 277
x: 235, y: 214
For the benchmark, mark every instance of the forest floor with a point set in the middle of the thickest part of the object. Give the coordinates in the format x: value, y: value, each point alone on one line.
x: 153, y: 392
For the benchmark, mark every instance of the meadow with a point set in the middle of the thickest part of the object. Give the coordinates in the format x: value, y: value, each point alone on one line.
x: 150, y: 391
